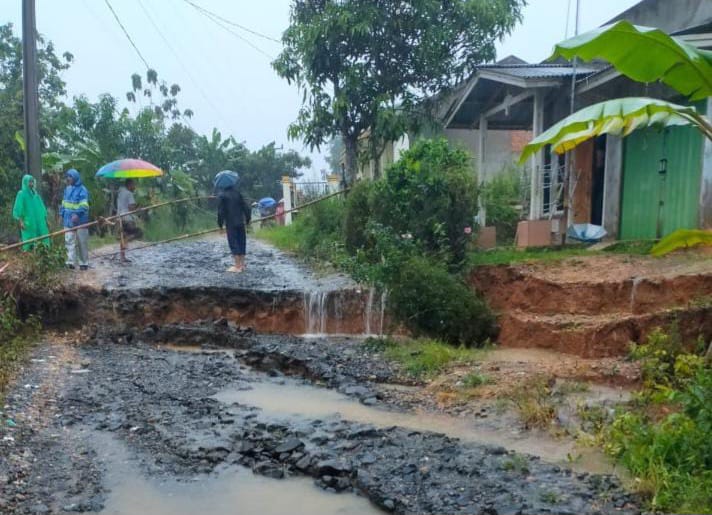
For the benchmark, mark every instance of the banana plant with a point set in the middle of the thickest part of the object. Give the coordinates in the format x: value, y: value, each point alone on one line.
x: 645, y: 54
x: 682, y: 239
x: 618, y: 117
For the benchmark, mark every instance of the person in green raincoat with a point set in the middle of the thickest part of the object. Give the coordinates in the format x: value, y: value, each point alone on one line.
x: 30, y: 212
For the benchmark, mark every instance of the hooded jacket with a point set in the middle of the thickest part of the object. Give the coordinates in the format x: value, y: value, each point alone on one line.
x: 30, y: 209
x: 75, y: 202
x: 233, y: 211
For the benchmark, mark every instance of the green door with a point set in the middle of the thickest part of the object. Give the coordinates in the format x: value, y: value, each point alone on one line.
x: 655, y: 203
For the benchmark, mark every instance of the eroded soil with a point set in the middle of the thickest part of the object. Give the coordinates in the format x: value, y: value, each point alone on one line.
x: 166, y: 402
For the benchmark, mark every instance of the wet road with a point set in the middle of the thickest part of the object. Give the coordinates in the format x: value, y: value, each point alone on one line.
x: 203, y: 263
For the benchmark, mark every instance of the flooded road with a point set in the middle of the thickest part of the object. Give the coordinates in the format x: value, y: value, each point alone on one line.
x: 298, y: 400
x: 229, y: 491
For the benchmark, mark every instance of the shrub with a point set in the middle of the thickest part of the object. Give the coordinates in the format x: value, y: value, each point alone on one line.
x: 534, y: 402
x: 663, y: 438
x: 319, y: 229
x: 501, y: 196
x: 356, y: 216
x: 41, y: 265
x: 430, y: 301
x: 316, y: 232
x: 431, y: 194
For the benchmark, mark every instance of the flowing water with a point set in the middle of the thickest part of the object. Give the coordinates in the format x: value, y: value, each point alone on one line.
x: 295, y: 399
x: 232, y: 491
x: 633, y: 291
x: 375, y: 314
x: 315, y: 313
x: 323, y: 306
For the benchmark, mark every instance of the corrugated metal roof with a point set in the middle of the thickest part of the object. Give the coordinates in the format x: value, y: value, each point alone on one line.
x: 539, y: 71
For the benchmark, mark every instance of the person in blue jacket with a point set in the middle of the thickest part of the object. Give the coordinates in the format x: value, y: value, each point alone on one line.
x: 75, y: 212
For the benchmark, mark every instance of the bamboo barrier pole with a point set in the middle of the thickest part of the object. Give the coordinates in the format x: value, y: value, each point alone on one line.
x: 101, y: 220
x: 217, y: 229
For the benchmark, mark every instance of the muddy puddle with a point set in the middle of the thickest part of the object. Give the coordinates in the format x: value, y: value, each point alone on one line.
x: 294, y: 399
x: 229, y: 491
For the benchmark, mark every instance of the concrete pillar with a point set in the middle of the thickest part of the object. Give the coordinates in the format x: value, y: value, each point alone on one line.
x: 333, y: 181
x: 612, y: 185
x: 706, y: 186
x: 482, y: 174
x: 537, y: 161
x: 287, y: 188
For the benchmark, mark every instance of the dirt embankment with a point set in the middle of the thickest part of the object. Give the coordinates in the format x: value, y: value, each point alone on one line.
x: 595, y: 306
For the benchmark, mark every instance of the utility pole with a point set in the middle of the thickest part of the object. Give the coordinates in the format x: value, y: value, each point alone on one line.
x: 571, y: 160
x: 31, y: 104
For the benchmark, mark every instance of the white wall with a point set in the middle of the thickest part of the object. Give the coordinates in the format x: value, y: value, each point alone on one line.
x: 498, y: 156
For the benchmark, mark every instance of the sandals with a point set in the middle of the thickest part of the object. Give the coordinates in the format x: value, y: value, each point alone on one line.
x: 235, y: 270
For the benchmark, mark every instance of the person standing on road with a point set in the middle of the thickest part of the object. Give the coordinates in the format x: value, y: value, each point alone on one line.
x: 129, y: 229
x: 30, y: 212
x: 234, y: 213
x: 75, y: 212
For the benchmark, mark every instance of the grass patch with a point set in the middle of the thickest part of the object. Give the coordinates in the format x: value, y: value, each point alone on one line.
x: 635, y: 248
x: 572, y: 387
x: 284, y: 237
x: 475, y: 379
x: 534, y: 402
x: 516, y: 463
x: 425, y: 358
x: 512, y: 255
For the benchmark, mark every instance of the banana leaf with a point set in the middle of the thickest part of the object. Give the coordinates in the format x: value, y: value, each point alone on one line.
x: 645, y: 55
x: 619, y: 117
x: 681, y: 239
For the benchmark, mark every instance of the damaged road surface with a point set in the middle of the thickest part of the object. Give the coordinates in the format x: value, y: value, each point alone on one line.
x: 129, y: 421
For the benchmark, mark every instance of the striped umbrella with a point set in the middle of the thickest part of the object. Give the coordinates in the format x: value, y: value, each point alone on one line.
x: 129, y: 169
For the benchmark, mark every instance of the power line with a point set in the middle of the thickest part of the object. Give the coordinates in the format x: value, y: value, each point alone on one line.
x: 180, y: 61
x: 218, y: 22
x: 229, y: 22
x: 128, y: 36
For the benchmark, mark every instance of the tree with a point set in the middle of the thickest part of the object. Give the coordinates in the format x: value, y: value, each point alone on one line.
x: 266, y: 167
x: 364, y: 65
x: 52, y: 108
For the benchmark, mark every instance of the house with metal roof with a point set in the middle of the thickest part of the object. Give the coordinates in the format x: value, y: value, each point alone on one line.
x: 641, y: 187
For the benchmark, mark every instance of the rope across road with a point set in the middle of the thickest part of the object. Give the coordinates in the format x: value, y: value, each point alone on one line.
x: 110, y: 221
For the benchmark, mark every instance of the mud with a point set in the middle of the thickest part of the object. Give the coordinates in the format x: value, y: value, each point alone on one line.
x: 161, y: 406
x: 595, y: 306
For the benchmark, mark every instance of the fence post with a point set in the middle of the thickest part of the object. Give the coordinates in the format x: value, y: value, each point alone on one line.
x: 333, y: 181
x: 287, y: 197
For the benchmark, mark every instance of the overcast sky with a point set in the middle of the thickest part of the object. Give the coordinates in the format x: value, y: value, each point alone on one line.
x: 227, y: 81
